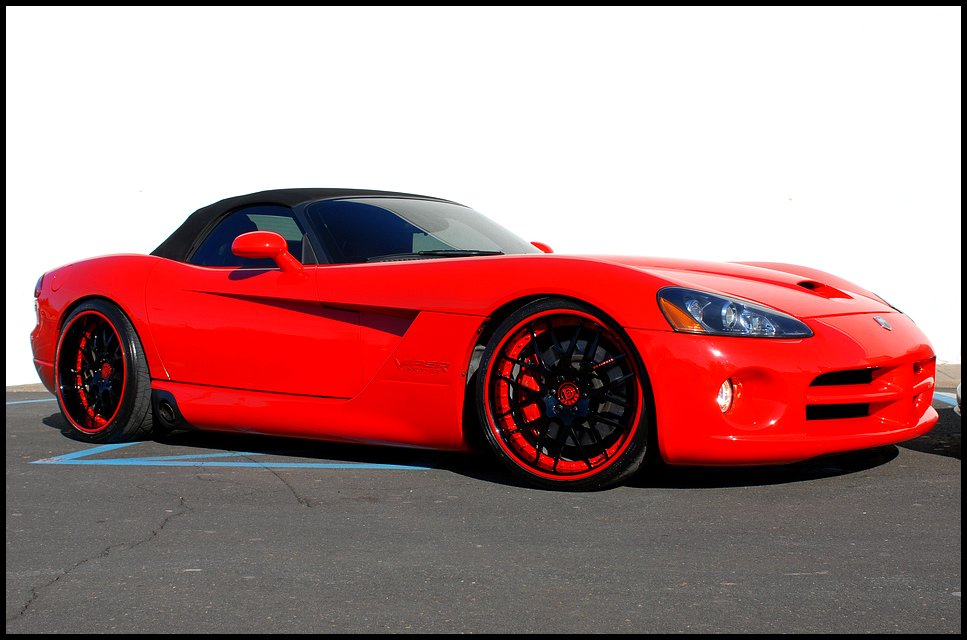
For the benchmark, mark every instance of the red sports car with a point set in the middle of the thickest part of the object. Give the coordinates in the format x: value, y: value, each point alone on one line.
x: 389, y: 318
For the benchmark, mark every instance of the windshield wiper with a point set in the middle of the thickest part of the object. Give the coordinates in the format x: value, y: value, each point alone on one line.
x: 435, y: 253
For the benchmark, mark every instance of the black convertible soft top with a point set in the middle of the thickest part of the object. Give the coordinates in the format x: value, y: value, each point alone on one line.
x: 180, y: 243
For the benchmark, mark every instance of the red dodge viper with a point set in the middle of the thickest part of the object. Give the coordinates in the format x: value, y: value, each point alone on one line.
x: 390, y: 318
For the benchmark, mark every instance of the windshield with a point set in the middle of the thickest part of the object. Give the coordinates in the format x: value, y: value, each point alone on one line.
x: 373, y: 229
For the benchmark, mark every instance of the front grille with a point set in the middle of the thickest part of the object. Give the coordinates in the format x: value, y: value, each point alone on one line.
x: 833, y: 378
x: 837, y: 411
x: 895, y: 394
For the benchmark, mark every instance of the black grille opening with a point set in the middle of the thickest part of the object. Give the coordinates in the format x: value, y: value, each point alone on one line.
x: 835, y: 378
x: 837, y: 411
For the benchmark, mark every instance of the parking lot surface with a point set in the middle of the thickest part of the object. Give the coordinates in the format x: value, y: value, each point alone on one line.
x: 210, y: 533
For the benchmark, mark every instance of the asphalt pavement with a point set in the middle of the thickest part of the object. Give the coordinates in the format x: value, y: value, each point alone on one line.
x: 210, y: 533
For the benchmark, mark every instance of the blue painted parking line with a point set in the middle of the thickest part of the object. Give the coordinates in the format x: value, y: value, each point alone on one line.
x: 84, y: 453
x: 189, y: 456
x: 31, y: 401
x: 946, y: 398
x: 138, y: 462
x: 204, y: 460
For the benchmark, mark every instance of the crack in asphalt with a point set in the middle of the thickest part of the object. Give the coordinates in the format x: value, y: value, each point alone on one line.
x: 35, y: 592
x: 308, y: 504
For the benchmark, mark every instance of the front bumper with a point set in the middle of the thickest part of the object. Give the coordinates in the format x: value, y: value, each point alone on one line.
x: 853, y: 385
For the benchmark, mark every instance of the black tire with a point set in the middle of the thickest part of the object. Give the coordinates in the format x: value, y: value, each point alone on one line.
x: 561, y: 396
x: 102, y: 379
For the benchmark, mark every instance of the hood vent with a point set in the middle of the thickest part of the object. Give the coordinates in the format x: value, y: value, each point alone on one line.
x: 823, y: 290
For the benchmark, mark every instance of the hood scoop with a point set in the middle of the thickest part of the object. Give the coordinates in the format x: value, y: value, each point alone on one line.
x: 823, y: 290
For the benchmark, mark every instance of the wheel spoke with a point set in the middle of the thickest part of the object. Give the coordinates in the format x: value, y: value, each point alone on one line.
x: 94, y: 402
x: 557, y: 346
x: 624, y: 378
x: 608, y: 421
x: 610, y: 398
x: 609, y: 362
x: 536, y: 349
x: 580, y: 447
x: 518, y: 384
x: 571, y: 347
x: 109, y: 338
x: 539, y: 445
x: 561, y: 440
x: 593, y: 430
x: 524, y: 363
x: 590, y: 348
x: 86, y: 355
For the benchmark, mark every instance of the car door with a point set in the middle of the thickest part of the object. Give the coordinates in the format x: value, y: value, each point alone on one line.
x: 238, y: 323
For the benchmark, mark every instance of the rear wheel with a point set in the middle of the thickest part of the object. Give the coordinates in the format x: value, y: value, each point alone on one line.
x: 103, y: 384
x: 561, y: 397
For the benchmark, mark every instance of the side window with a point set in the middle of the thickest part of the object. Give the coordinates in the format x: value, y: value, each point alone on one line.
x: 216, y: 250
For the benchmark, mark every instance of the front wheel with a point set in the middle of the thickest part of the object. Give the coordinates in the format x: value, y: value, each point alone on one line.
x: 561, y: 397
x: 103, y: 385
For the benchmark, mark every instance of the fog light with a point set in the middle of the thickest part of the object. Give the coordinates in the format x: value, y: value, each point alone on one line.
x: 724, y: 398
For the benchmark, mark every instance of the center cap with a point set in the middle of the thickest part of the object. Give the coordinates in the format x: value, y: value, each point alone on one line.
x: 568, y: 394
x: 106, y: 370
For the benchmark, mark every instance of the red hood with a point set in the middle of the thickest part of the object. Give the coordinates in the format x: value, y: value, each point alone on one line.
x: 798, y: 291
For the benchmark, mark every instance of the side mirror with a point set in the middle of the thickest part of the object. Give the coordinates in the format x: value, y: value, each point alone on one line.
x: 543, y: 247
x: 266, y: 244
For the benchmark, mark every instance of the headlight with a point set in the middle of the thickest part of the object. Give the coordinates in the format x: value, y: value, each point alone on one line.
x: 693, y: 311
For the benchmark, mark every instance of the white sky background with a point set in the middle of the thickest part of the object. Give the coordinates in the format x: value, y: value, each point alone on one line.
x: 826, y: 137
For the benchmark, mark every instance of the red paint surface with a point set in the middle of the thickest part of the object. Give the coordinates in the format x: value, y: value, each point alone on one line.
x: 316, y: 352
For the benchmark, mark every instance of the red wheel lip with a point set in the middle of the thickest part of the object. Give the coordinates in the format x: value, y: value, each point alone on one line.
x: 57, y: 387
x: 492, y: 423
